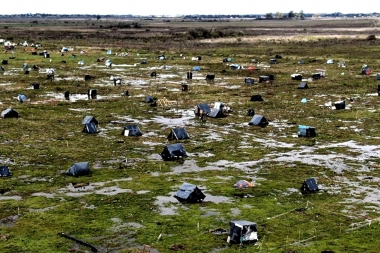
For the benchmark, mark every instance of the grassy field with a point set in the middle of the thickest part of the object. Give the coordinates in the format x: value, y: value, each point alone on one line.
x: 127, y: 203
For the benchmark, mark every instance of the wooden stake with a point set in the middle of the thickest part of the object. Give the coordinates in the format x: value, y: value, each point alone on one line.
x: 159, y: 237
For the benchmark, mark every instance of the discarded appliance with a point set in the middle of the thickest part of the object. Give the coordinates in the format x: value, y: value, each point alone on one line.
x: 322, y: 72
x: 273, y: 61
x: 303, y: 85
x: 340, y: 105
x: 108, y: 64
x: 249, y: 80
x: 256, y: 98
x: 79, y: 169
x: 330, y: 61
x: 236, y: 66
x: 196, y: 68
x: 316, y: 76
x: 50, y: 72
x: 67, y: 95
x: 251, y: 112
x: 178, y: 133
x: 149, y: 99
x: 5, y: 172
x: 365, y: 70
x: 219, y: 110
x: 341, y: 64
x: 9, y: 113
x: 87, y: 77
x: 258, y: 120
x: 296, y: 76
x: 242, y: 231
x: 202, y: 109
x: 173, y: 152
x: 90, y: 119
x: 131, y: 130
x: 189, y: 193
x: 185, y: 87
x: 210, y: 77
x: 116, y: 81
x: 264, y: 79
x: 243, y: 184
x: 21, y: 98
x: 92, y: 94
x: 35, y: 85
x: 90, y: 128
x: 309, y: 185
x: 306, y: 131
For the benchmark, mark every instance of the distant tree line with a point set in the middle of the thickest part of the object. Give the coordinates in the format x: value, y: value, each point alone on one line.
x: 290, y: 15
x: 277, y: 15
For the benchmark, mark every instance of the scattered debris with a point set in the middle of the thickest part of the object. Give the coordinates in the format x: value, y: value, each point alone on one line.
x: 93, y: 248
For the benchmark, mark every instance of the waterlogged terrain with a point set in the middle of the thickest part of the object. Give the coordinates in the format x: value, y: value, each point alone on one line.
x: 127, y: 203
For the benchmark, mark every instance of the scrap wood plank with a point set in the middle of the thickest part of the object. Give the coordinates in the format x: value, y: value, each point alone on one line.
x: 166, y: 102
x: 93, y: 249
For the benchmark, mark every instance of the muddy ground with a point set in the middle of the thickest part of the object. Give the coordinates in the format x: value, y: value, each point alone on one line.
x: 130, y: 192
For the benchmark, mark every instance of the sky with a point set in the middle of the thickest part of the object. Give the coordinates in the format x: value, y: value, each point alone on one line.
x: 188, y: 7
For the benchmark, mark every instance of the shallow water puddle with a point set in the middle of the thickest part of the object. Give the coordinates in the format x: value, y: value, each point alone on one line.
x: 43, y: 194
x: 122, y: 226
x: 166, y: 204
x: 185, y: 120
x: 91, y: 188
x: 74, y: 97
x: 10, y: 198
x: 41, y: 210
x: 190, y: 166
x: 169, y: 205
x: 208, y: 213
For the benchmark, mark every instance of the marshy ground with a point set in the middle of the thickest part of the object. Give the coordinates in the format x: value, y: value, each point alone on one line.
x: 127, y: 203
